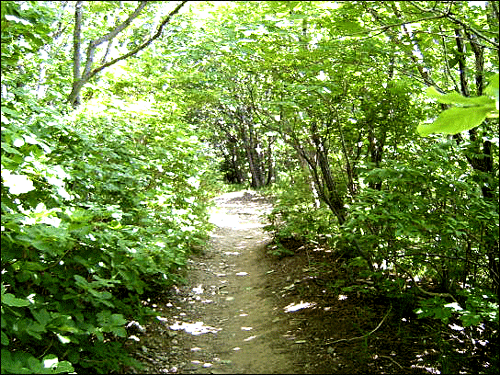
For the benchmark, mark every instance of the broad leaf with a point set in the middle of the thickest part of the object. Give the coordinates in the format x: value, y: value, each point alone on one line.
x: 456, y: 120
x: 10, y: 300
x: 456, y: 98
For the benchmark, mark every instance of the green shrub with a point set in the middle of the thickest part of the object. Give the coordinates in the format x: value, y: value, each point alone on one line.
x: 88, y: 225
x: 295, y: 214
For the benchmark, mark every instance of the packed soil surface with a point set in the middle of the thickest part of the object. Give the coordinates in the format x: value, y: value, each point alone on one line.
x: 244, y: 310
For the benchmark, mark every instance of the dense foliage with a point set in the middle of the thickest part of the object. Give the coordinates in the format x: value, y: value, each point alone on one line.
x: 100, y: 206
x: 375, y: 125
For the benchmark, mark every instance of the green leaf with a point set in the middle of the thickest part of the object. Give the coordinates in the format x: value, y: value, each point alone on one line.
x: 33, y: 266
x: 81, y: 281
x: 52, y: 365
x: 63, y: 339
x: 119, y: 331
x: 456, y: 98
x: 10, y: 111
x: 349, y: 26
x: 5, y: 339
x: 118, y: 319
x: 456, y: 120
x: 11, y: 363
x: 23, y: 276
x: 35, y: 365
x: 453, y: 62
x: 11, y: 300
x: 492, y: 89
x: 42, y: 316
x: 471, y: 319
x: 35, y: 329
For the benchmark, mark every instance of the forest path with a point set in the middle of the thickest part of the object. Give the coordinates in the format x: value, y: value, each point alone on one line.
x: 249, y: 337
x: 243, y: 311
x: 226, y: 319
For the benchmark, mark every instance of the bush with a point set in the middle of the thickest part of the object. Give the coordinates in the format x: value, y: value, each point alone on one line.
x: 89, y: 223
x: 295, y: 217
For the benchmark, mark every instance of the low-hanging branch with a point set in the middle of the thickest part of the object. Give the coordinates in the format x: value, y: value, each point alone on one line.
x: 144, y: 44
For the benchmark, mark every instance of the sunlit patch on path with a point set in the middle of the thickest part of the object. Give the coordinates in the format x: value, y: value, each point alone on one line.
x: 299, y: 306
x: 228, y: 213
x: 197, y: 328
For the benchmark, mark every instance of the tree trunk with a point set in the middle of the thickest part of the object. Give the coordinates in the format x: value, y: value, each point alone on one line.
x: 255, y: 165
x: 77, y: 42
x: 479, y: 154
x: 306, y: 170
x: 331, y: 194
x: 269, y: 159
x: 240, y: 177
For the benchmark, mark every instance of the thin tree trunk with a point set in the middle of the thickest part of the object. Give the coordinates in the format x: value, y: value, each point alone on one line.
x: 269, y: 159
x: 77, y: 42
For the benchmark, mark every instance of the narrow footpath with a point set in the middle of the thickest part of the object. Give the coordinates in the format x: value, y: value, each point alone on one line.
x: 226, y: 320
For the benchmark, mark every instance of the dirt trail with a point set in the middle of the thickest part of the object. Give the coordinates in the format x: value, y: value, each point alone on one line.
x: 250, y: 333
x: 225, y: 320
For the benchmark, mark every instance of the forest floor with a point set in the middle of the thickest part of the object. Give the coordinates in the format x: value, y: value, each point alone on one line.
x: 244, y: 310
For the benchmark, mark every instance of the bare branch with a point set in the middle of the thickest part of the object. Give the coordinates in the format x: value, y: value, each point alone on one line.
x: 362, y: 337
x: 403, y: 23
x: 108, y: 49
x: 441, y: 15
x: 77, y: 42
x: 382, y: 29
x: 118, y: 29
x: 448, y: 70
x: 396, y: 39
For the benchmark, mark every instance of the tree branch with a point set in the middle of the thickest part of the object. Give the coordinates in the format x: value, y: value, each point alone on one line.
x: 88, y: 73
x: 143, y: 45
x: 77, y: 42
x: 452, y: 18
x: 447, y: 15
x: 368, y: 334
x: 94, y: 43
x: 118, y: 29
x: 381, y: 29
x: 394, y: 38
x: 448, y: 70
